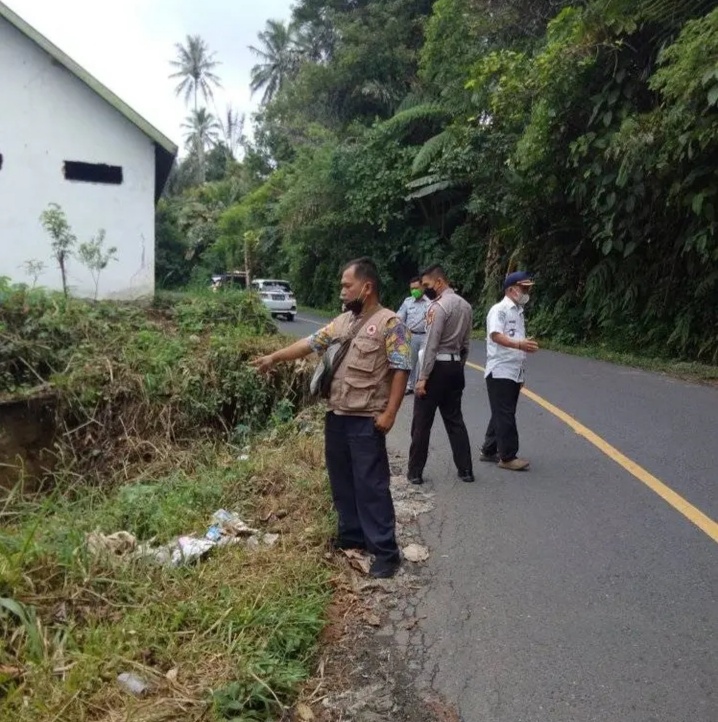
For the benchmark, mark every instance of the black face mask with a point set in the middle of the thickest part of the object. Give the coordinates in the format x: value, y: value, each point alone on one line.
x: 430, y: 293
x: 356, y: 306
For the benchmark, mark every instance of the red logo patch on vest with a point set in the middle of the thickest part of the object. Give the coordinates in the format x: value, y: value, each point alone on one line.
x: 371, y: 330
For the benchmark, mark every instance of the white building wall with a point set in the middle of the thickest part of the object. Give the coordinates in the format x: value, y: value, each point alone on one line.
x: 48, y: 116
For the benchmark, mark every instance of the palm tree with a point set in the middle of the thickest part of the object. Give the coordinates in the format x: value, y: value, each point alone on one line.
x: 280, y: 59
x: 195, y: 66
x: 316, y: 41
x: 202, y: 132
x: 232, y: 126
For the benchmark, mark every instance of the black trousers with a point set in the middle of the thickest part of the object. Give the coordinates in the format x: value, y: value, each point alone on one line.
x: 444, y: 389
x: 359, y: 475
x: 502, y: 436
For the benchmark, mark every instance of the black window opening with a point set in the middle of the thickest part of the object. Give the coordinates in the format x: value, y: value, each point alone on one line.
x: 0, y: 161
x: 75, y: 170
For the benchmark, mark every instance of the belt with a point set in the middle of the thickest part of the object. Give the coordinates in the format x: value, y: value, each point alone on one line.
x: 448, y: 357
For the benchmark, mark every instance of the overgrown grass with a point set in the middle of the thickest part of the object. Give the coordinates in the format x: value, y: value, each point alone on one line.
x: 239, y: 628
x: 155, y: 410
x: 124, y: 376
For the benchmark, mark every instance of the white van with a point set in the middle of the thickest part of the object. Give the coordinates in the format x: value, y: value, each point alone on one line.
x: 261, y: 283
x: 277, y: 296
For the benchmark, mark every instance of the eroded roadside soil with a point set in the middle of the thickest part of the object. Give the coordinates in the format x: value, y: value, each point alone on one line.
x: 373, y: 648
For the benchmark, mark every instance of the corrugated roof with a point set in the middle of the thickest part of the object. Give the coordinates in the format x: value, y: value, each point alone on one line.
x: 165, y: 149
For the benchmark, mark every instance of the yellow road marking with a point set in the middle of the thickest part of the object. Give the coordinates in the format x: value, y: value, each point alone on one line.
x: 690, y: 512
x: 701, y: 520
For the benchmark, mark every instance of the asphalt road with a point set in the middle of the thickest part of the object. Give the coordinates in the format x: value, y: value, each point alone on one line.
x: 574, y: 592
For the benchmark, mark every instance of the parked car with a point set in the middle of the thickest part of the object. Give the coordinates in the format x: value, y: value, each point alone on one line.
x: 236, y: 281
x: 262, y: 283
x: 279, y: 300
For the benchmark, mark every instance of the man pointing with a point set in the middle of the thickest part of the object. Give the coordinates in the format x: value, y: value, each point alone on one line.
x: 367, y: 389
x: 506, y: 349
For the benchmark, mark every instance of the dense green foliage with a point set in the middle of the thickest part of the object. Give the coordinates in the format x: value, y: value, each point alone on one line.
x: 576, y: 139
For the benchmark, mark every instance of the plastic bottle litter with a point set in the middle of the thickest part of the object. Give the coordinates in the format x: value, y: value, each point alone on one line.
x: 132, y: 683
x: 231, y: 523
x: 214, y: 533
x: 189, y: 549
x: 222, y: 516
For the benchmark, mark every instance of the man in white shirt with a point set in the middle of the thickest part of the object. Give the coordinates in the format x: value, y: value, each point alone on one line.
x: 506, y: 349
x: 413, y: 313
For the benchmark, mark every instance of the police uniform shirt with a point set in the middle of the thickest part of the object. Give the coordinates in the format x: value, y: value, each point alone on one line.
x: 449, y: 321
x: 505, y: 317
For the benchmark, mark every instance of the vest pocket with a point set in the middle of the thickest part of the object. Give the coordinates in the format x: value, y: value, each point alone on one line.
x: 365, y: 355
x: 358, y: 392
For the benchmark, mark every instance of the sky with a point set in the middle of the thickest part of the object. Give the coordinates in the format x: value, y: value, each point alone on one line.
x: 127, y: 46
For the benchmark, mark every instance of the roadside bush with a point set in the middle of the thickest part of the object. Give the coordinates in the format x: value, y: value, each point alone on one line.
x: 129, y: 379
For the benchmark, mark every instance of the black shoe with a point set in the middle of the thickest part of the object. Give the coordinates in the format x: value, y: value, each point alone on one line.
x: 337, y: 544
x: 416, y: 480
x: 384, y: 568
x: 466, y: 475
x: 491, y: 458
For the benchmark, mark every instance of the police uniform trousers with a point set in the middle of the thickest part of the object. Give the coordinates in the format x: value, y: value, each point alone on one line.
x: 359, y: 475
x: 444, y: 389
x: 502, y: 436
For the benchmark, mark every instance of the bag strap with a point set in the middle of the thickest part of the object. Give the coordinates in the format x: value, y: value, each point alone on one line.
x: 368, y: 318
x: 346, y: 341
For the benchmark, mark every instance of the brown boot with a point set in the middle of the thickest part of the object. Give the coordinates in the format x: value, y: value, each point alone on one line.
x: 514, y: 465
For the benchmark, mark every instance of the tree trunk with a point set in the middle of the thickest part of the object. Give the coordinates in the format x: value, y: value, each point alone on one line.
x: 492, y: 272
x: 247, y: 269
x: 200, y: 161
x: 61, y: 261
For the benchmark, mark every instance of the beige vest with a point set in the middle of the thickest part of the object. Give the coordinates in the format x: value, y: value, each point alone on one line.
x: 362, y: 383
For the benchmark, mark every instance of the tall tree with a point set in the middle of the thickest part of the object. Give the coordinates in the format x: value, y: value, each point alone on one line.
x: 280, y: 59
x: 195, y: 69
x: 195, y: 65
x: 232, y: 126
x: 202, y: 132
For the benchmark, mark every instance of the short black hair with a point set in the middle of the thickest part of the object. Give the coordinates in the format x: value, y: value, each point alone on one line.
x: 435, y: 271
x: 415, y: 279
x: 366, y: 270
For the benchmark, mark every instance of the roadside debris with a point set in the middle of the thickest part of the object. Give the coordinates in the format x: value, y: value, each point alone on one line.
x: 305, y: 713
x: 231, y: 524
x: 415, y: 553
x: 118, y: 543
x: 226, y: 528
x: 368, y: 670
x: 133, y: 684
x: 360, y: 562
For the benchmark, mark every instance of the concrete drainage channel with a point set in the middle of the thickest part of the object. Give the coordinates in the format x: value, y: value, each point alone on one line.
x: 374, y: 646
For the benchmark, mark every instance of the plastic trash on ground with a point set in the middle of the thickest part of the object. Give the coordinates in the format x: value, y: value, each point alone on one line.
x: 189, y: 549
x: 132, y: 683
x: 227, y: 528
x: 231, y: 523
